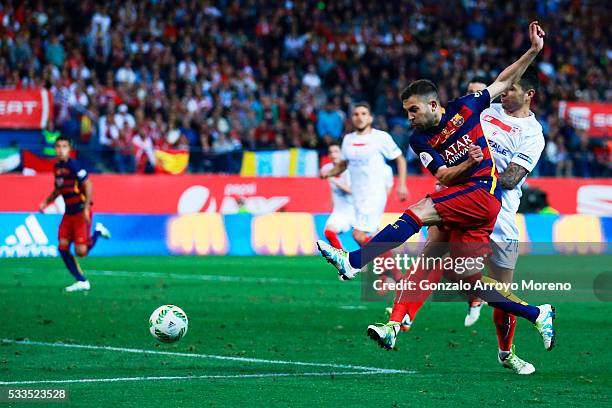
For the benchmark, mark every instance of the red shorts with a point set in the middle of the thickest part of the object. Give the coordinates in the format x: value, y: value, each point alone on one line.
x: 74, y: 228
x: 469, y: 212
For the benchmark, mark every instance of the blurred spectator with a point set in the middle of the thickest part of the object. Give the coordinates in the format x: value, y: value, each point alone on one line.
x: 55, y: 52
x: 263, y: 73
x: 144, y: 156
x: 557, y: 154
x: 124, y: 150
x: 224, y: 149
x: 330, y: 122
x: 108, y: 133
x: 49, y: 134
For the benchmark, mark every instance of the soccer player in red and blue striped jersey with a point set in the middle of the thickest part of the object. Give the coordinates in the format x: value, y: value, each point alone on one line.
x: 73, y: 184
x: 451, y: 144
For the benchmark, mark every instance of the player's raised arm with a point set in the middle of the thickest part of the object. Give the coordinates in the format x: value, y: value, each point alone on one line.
x: 514, y: 72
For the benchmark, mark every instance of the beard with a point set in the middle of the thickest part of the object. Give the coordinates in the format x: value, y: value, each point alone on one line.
x: 362, y: 127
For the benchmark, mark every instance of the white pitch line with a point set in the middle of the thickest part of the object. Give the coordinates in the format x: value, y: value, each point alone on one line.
x: 190, y: 377
x: 206, y: 356
x: 206, y: 278
x: 209, y: 278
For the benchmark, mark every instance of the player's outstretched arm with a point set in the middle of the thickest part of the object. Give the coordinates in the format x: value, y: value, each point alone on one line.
x: 336, y: 170
x: 48, y: 200
x: 514, y: 72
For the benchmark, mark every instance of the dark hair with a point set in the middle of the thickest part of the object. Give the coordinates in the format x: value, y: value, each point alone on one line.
x: 479, y: 80
x: 363, y: 104
x: 334, y: 143
x: 421, y: 87
x: 530, y: 79
x: 61, y: 138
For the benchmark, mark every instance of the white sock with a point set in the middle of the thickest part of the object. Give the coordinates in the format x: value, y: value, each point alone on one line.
x: 503, y: 354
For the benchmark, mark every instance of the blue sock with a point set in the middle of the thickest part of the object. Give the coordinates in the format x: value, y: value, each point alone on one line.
x: 72, y: 265
x: 94, y: 239
x: 388, y: 238
x: 499, y: 301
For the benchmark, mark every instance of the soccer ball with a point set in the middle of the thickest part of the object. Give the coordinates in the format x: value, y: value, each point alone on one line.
x: 168, y: 323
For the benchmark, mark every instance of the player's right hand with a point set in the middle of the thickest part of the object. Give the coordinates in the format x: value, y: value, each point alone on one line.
x: 42, y: 207
x: 475, y: 153
x: 536, y: 36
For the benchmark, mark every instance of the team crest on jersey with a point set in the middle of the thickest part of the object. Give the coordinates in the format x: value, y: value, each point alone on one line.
x: 457, y: 120
x: 453, y: 125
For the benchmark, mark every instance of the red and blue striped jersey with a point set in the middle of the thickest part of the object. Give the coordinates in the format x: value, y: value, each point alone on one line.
x: 69, y: 176
x: 447, y: 143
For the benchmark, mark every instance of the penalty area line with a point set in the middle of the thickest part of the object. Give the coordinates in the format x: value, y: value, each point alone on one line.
x: 192, y: 377
x: 206, y: 356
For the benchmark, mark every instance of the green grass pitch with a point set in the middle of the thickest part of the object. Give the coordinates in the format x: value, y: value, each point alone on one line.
x: 277, y: 331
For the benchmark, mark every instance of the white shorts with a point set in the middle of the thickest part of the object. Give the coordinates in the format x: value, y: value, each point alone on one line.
x: 340, y: 221
x: 505, y: 241
x: 369, y: 211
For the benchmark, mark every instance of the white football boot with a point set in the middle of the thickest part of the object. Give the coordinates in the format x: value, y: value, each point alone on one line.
x: 104, y: 232
x: 384, y: 334
x: 473, y: 315
x: 515, y: 363
x: 544, y: 325
x: 78, y: 286
x: 339, y: 258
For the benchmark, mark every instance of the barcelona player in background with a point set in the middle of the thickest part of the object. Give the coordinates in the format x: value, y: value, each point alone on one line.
x: 72, y: 183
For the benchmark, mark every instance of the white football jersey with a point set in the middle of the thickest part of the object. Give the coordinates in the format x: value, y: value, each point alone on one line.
x: 341, y: 200
x: 517, y: 140
x: 366, y: 155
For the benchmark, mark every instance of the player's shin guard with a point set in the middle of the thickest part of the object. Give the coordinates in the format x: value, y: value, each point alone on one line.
x: 388, y: 238
x: 72, y: 265
x: 504, y: 325
x: 332, y: 237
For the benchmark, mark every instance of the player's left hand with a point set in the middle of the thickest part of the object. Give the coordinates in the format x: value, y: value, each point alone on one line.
x: 536, y: 36
x: 86, y: 213
x: 475, y: 153
x: 402, y: 192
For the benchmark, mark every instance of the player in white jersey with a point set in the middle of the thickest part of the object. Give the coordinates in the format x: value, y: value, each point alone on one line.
x: 342, y: 217
x: 516, y: 141
x: 364, y: 154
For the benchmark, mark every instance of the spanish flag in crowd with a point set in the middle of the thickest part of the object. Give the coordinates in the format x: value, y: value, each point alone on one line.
x: 171, y: 161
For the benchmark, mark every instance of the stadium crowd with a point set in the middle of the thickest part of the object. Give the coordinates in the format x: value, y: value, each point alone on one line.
x: 220, y: 77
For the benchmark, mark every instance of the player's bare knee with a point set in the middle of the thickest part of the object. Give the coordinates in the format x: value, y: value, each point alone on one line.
x: 425, y: 210
x: 63, y: 246
x: 359, y: 236
x: 81, y: 250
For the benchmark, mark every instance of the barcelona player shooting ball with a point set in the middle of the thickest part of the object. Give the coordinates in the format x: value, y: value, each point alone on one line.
x: 452, y: 145
x: 73, y: 184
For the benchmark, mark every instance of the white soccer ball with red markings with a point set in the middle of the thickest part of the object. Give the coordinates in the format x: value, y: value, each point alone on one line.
x: 168, y: 323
